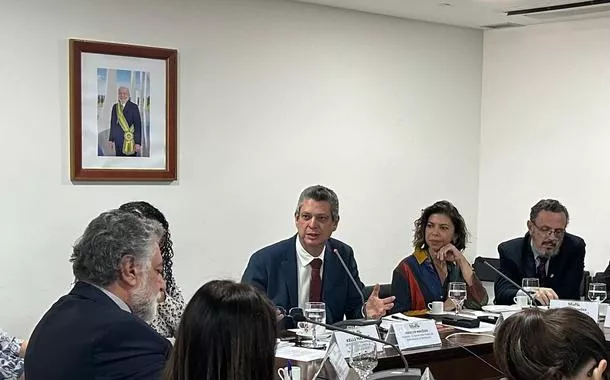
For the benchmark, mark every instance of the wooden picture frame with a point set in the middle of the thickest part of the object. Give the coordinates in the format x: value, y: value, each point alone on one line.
x: 122, y: 112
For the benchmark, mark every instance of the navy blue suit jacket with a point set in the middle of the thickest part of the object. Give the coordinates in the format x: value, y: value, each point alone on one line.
x: 273, y: 269
x: 86, y: 336
x: 563, y: 276
x: 132, y: 116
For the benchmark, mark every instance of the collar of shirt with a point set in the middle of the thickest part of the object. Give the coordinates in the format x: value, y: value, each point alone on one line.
x: 421, y: 256
x: 304, y: 272
x: 304, y: 257
x: 120, y: 303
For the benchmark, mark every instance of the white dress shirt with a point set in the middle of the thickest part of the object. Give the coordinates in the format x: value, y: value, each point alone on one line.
x: 304, y: 260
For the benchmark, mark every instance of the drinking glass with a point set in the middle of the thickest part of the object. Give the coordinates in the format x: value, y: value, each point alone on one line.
x: 597, y: 292
x: 316, y: 311
x: 530, y: 285
x: 457, y: 294
x: 363, y: 357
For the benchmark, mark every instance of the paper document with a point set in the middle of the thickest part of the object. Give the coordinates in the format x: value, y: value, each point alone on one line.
x: 299, y: 353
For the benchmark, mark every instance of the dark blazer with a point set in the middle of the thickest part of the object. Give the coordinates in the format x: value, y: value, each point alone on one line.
x: 563, y: 276
x: 85, y: 335
x: 273, y: 269
x: 132, y: 115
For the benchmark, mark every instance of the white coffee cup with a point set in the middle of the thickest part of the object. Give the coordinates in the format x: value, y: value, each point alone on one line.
x: 436, y: 307
x: 522, y: 301
x: 284, y: 375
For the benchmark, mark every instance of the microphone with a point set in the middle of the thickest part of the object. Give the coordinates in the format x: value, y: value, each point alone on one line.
x: 407, y: 374
x: 349, y: 274
x: 512, y: 282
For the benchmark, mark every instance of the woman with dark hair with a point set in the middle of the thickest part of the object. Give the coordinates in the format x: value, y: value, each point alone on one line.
x: 557, y: 344
x: 171, y: 303
x: 228, y: 332
x: 423, y: 277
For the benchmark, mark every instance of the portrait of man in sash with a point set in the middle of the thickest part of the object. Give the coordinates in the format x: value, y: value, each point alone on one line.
x: 123, y: 113
x: 125, y: 126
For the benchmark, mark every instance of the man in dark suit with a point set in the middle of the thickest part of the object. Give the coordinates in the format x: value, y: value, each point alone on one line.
x: 547, y: 252
x: 306, y: 268
x: 97, y: 331
x: 125, y: 126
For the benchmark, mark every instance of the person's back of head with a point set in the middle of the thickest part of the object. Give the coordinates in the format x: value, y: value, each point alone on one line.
x: 119, y: 252
x: 148, y: 211
x: 557, y: 344
x: 227, y: 332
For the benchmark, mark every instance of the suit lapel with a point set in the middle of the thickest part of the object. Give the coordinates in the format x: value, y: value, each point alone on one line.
x: 557, y: 263
x: 331, y: 275
x: 289, y: 271
x: 529, y: 263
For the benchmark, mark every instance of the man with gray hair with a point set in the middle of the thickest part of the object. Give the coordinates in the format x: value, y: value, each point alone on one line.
x: 306, y: 267
x: 98, y: 330
x: 546, y: 252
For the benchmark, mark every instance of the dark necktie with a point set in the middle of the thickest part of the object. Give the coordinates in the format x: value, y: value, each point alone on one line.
x: 541, y: 269
x: 315, y: 285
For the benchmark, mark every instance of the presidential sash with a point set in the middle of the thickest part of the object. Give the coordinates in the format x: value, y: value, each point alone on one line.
x: 129, y: 145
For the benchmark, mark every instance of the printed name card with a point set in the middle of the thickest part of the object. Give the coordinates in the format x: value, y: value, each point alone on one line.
x: 346, y: 341
x: 414, y: 334
x: 337, y: 359
x: 506, y: 314
x: 589, y: 308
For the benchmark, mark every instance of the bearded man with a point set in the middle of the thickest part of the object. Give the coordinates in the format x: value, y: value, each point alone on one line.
x: 546, y: 252
x: 99, y: 329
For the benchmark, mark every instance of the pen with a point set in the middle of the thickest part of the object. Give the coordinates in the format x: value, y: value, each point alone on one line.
x: 289, y: 369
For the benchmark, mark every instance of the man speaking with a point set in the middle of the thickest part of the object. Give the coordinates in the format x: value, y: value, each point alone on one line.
x: 306, y: 267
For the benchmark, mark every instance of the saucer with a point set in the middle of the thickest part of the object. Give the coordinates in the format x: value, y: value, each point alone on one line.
x: 500, y: 308
x: 436, y: 314
x: 323, y: 335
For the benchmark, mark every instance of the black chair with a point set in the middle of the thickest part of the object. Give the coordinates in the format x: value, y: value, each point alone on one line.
x: 584, y: 284
x: 385, y: 290
x: 485, y: 273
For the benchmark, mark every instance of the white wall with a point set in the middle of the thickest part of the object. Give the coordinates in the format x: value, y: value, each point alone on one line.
x: 545, y: 129
x: 273, y: 96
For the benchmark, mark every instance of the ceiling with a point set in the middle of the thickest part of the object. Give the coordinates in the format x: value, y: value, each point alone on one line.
x: 470, y: 13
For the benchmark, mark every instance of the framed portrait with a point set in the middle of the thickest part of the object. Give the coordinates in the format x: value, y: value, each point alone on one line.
x: 122, y: 112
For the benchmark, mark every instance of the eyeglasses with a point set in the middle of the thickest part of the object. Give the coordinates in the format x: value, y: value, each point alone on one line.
x: 558, y: 232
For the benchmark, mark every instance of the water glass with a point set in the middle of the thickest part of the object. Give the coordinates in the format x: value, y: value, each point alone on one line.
x: 530, y: 285
x: 316, y: 311
x: 363, y: 357
x: 457, y: 294
x: 597, y: 292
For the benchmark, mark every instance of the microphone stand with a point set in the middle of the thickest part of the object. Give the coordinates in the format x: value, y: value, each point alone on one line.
x: 534, y: 303
x: 406, y: 374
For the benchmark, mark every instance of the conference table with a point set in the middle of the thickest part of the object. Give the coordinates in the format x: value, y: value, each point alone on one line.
x: 463, y: 356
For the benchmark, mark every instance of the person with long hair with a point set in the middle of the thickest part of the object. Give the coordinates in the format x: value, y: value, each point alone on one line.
x: 556, y: 344
x: 424, y: 277
x: 171, y: 302
x: 228, y: 332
